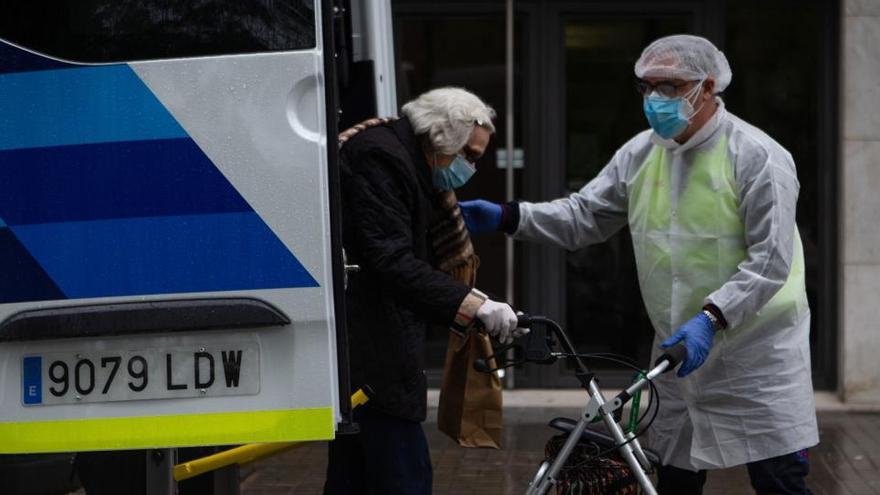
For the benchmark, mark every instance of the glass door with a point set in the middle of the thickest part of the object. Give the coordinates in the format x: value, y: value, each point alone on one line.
x: 603, y: 111
x: 591, y: 109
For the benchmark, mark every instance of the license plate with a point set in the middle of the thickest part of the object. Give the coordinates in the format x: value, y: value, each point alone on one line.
x: 158, y: 373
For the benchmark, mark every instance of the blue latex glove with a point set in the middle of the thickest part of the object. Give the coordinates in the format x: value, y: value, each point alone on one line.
x: 698, y: 334
x: 481, y: 216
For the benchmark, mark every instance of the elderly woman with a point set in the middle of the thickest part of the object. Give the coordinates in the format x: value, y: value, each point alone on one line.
x: 392, y: 172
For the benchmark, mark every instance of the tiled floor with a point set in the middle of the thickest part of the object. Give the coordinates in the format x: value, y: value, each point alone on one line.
x: 847, y: 462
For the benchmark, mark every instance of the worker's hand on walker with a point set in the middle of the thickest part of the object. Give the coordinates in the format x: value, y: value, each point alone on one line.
x: 697, y: 334
x: 481, y: 216
x: 498, y: 319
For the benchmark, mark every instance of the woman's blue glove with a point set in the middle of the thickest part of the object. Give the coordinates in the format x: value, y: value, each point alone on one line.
x: 698, y: 334
x: 481, y: 216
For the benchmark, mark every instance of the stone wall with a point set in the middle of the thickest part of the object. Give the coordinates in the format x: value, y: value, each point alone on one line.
x: 859, y: 347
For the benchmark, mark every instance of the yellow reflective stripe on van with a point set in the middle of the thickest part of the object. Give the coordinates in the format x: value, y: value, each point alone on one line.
x: 165, y: 431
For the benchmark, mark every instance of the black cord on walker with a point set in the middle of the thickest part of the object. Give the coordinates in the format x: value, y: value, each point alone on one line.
x: 616, y: 358
x: 651, y: 399
x: 620, y: 359
x: 528, y: 320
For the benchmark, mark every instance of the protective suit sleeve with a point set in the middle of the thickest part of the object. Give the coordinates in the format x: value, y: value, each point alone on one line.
x: 768, y: 188
x: 586, y: 217
x: 379, y: 206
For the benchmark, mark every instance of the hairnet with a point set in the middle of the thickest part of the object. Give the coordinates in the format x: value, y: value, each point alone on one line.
x: 687, y: 57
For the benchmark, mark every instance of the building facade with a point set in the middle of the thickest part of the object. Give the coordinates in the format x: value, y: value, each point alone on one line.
x: 805, y: 72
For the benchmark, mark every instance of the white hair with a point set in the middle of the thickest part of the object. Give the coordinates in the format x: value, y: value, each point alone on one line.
x: 447, y: 116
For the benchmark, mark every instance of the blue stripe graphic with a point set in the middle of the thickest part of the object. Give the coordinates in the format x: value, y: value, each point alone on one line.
x: 32, y: 380
x: 21, y: 277
x: 138, y: 256
x: 112, y: 180
x: 103, y: 194
x: 84, y: 105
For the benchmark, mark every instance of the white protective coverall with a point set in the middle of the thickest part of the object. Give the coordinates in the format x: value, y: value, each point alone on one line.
x: 712, y: 221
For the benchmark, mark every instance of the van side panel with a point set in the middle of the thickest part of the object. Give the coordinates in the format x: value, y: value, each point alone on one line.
x: 166, y: 180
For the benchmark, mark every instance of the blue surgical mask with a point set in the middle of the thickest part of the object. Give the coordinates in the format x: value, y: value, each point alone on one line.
x: 453, y: 176
x: 669, y: 117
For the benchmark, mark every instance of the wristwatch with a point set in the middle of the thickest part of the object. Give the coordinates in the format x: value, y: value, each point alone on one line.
x: 712, y: 318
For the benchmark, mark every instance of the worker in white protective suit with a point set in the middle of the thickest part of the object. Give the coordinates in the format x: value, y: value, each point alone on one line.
x: 710, y: 202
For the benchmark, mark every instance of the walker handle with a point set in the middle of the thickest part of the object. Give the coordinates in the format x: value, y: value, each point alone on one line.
x: 673, y: 355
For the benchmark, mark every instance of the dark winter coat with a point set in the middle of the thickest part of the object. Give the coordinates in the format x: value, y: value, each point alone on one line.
x: 387, y: 211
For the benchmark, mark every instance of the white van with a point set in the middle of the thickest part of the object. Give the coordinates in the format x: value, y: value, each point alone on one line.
x: 170, y: 265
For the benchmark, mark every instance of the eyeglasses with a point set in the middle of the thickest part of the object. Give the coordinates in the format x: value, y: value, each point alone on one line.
x: 665, y: 88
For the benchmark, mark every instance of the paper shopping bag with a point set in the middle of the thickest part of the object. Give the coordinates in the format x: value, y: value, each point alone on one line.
x: 470, y: 400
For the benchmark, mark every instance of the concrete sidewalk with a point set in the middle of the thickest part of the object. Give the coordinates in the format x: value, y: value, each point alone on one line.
x: 847, y: 461
x: 575, y: 398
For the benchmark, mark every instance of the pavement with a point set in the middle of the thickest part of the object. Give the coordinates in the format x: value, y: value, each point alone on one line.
x: 846, y: 462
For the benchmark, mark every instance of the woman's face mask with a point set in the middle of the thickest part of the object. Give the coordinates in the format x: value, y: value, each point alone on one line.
x: 669, y: 117
x: 453, y: 176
